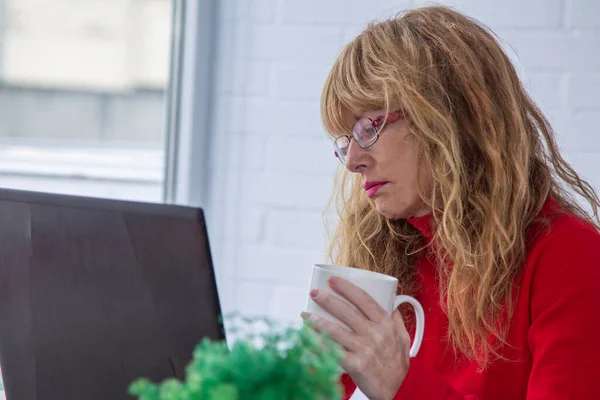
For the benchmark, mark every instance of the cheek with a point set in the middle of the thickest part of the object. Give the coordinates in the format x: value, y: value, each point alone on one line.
x: 396, y: 158
x: 425, y: 181
x: 403, y: 168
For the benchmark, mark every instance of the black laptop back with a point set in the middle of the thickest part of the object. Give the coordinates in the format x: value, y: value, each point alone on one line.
x: 95, y: 293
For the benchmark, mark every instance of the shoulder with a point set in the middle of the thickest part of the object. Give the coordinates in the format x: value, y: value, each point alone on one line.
x: 562, y: 296
x: 564, y: 233
x: 565, y: 252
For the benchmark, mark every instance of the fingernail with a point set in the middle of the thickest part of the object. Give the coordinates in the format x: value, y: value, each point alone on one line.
x: 305, y: 315
x: 333, y: 281
x: 314, y: 293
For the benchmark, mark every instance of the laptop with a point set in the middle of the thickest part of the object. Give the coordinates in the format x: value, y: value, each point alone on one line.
x: 95, y: 293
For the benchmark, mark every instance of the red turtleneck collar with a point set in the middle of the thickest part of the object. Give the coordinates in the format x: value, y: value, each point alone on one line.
x: 425, y: 223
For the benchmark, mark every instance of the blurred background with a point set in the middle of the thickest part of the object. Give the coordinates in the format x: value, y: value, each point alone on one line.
x: 81, y: 95
x: 216, y: 104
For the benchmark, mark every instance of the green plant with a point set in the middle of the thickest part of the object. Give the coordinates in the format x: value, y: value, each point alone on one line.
x: 290, y: 363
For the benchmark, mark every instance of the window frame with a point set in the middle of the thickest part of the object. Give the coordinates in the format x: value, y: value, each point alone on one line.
x: 189, y: 107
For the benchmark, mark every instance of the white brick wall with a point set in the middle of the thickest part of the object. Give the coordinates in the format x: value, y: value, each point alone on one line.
x: 585, y: 14
x: 272, y: 164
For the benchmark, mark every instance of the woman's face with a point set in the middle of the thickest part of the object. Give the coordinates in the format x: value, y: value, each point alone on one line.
x: 389, y: 170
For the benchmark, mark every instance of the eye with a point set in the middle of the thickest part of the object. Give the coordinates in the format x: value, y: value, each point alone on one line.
x: 377, y: 123
x: 364, y: 129
x: 376, y: 126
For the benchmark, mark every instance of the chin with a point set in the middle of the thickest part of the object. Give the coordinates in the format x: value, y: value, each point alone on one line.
x: 391, y: 212
x: 394, y: 210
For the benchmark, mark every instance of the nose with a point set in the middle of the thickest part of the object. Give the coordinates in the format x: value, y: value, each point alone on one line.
x: 356, y: 158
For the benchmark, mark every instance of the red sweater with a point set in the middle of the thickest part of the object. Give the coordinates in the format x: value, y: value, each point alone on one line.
x: 554, y: 334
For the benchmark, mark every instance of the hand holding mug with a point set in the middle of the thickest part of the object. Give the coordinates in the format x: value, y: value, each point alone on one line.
x: 373, y: 334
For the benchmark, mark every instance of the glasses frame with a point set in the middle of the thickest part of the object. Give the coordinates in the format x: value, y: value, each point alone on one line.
x: 377, y: 124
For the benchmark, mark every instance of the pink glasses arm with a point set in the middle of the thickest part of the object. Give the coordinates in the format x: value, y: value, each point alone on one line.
x: 391, y: 117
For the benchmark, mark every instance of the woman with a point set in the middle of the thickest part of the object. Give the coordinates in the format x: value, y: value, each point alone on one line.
x: 454, y: 184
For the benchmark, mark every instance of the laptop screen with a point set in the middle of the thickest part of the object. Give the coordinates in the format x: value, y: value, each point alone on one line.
x: 96, y: 293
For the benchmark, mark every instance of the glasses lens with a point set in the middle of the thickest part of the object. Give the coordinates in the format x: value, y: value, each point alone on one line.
x: 341, y: 145
x: 364, y: 132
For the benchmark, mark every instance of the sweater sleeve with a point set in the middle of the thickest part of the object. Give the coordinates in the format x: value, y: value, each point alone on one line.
x: 420, y: 384
x: 565, y: 322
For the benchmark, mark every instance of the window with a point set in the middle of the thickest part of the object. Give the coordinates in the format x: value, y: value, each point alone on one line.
x: 82, y: 89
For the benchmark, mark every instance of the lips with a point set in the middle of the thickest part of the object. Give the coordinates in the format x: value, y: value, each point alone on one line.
x: 373, y: 187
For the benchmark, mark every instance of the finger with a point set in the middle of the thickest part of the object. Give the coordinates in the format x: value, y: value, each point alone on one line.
x: 401, y: 331
x: 398, y: 320
x: 341, y: 310
x: 336, y: 332
x: 351, y: 363
x: 361, y: 299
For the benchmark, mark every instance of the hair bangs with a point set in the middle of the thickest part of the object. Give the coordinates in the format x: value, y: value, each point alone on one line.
x: 351, y: 89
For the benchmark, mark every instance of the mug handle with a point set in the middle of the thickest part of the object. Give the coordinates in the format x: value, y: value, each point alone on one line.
x: 420, y: 314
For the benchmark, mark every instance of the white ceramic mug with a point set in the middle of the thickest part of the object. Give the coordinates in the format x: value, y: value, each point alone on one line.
x: 380, y: 287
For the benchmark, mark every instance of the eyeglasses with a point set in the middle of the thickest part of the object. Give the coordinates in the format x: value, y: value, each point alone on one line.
x: 365, y: 132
